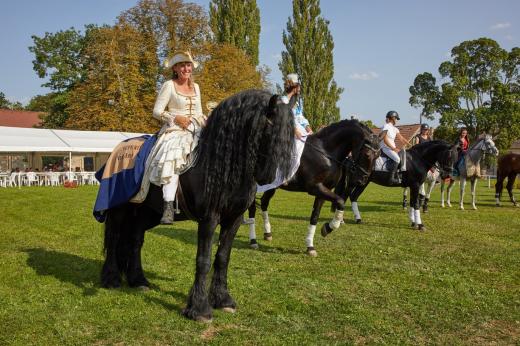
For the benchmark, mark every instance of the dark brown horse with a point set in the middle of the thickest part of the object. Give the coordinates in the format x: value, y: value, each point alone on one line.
x: 508, y: 166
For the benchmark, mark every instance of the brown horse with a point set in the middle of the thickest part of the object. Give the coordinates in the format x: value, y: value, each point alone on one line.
x: 508, y: 166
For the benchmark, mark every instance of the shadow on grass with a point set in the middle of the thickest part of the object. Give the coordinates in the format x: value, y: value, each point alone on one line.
x: 81, y: 272
x: 189, y: 237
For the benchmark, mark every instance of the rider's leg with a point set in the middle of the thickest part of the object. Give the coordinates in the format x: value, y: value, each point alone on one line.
x: 169, y: 191
x: 395, y: 179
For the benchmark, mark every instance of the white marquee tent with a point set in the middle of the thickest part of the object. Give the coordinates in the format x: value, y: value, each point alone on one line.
x: 32, y: 141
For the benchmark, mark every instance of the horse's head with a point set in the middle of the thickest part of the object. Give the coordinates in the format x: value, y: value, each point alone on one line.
x: 363, y: 158
x: 447, y: 160
x: 276, y: 142
x: 488, y: 145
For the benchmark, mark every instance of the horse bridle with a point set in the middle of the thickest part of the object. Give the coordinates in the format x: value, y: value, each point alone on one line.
x: 352, y: 164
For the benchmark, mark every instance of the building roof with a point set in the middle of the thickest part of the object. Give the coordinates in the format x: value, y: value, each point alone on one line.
x: 14, y: 118
x: 407, y: 131
x: 16, y: 139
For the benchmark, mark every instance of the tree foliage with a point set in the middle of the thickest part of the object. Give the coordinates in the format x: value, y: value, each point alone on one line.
x: 111, y: 97
x: 5, y: 103
x: 217, y: 81
x: 237, y: 22
x: 315, y: 66
x: 481, y: 91
x: 424, y: 93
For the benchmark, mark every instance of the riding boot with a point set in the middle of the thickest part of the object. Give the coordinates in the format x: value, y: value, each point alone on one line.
x: 395, y: 178
x: 168, y: 210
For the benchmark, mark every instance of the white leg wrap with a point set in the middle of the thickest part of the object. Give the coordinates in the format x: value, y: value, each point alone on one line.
x: 411, y: 214
x: 267, y: 224
x: 355, y: 210
x: 336, y: 221
x: 252, y: 233
x: 417, y: 214
x: 421, y: 190
x: 309, y: 241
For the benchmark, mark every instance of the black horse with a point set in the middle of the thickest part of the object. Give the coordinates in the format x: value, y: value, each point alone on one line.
x: 247, y: 138
x: 324, y: 160
x: 419, y: 160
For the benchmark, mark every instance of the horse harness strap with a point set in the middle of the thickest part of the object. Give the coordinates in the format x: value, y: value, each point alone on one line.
x: 182, y: 202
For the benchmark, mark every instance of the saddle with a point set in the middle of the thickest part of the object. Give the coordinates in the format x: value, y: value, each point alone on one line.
x: 385, y: 164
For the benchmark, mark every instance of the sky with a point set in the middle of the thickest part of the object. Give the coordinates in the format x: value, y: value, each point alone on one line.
x: 380, y: 45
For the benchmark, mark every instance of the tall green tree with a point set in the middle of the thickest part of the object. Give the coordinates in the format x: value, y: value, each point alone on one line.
x: 237, y: 22
x: 59, y: 59
x: 315, y: 66
x: 481, y: 91
x: 425, y: 94
x: 4, y: 102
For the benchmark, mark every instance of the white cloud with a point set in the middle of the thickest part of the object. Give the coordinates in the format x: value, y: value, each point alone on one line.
x: 364, y: 76
x: 276, y: 56
x: 500, y: 26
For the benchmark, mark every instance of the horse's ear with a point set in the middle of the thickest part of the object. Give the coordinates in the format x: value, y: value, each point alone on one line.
x: 271, y: 109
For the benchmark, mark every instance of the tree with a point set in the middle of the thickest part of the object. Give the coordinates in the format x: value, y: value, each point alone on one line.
x: 217, y: 81
x: 424, y: 93
x: 111, y: 98
x: 237, y: 22
x: 57, y: 56
x: 4, y: 102
x: 480, y: 92
x: 315, y: 67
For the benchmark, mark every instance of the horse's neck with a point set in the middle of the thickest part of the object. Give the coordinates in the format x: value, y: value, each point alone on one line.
x: 475, y: 153
x: 340, y: 143
x: 429, y: 156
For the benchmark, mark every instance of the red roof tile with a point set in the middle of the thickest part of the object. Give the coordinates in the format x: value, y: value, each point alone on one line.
x: 19, y: 118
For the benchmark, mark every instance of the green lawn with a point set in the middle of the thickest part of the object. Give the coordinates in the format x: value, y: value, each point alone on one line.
x: 378, y: 282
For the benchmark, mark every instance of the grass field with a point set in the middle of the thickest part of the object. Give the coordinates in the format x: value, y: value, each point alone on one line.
x: 378, y: 282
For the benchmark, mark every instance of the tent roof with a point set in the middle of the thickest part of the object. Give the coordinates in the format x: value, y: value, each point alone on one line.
x: 16, y: 139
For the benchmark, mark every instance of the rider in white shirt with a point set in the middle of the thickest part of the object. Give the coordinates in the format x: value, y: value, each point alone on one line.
x: 389, y: 134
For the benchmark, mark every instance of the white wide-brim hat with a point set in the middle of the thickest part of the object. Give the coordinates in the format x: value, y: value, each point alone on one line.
x: 293, y: 77
x: 180, y: 57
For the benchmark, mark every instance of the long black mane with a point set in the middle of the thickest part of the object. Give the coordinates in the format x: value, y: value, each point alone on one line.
x: 236, y: 137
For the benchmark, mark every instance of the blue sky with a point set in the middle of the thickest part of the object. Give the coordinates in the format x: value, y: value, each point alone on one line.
x: 380, y: 45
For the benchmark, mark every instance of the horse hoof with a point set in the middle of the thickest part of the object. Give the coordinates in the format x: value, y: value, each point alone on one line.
x: 312, y: 252
x: 420, y: 227
x: 143, y: 288
x: 229, y: 309
x: 474, y: 207
x: 325, y: 229
x: 268, y: 236
x: 253, y: 244
x: 204, y: 319
x: 413, y: 225
x: 358, y: 221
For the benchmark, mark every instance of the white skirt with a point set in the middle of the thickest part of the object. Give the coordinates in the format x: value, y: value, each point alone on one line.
x: 170, y: 154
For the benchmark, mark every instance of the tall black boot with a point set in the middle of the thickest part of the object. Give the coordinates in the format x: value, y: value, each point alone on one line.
x: 395, y: 178
x: 168, y: 210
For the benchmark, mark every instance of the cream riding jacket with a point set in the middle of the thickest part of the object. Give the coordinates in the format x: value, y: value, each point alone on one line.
x: 170, y: 103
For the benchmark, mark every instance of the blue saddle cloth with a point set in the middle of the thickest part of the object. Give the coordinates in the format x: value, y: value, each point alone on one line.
x: 121, y: 176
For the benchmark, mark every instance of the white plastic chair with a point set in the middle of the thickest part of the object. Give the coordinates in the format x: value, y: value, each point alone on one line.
x: 32, y: 179
x: 13, y: 179
x: 54, y: 179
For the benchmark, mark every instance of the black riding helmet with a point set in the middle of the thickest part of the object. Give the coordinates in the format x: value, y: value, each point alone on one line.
x: 392, y: 114
x: 425, y: 127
